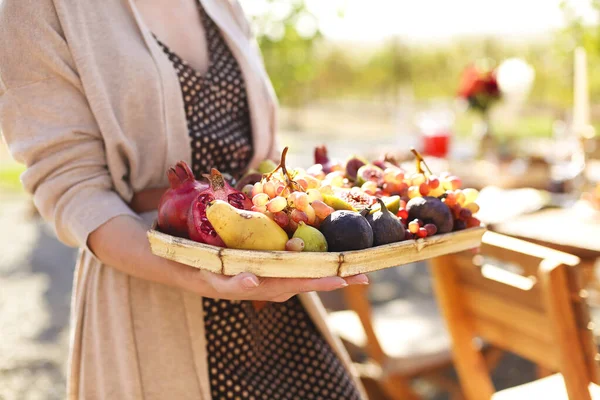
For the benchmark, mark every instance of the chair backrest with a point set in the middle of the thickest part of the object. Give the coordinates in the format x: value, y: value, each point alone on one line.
x: 520, y: 297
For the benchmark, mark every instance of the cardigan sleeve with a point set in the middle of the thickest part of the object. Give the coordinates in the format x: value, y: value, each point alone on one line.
x: 48, y: 125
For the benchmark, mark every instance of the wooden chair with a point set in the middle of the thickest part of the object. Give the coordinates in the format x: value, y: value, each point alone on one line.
x: 401, y: 339
x: 525, y: 299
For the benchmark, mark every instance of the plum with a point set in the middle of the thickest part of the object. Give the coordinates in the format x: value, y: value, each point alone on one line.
x: 431, y: 210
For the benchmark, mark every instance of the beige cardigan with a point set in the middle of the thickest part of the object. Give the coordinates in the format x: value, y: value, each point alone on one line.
x: 93, y: 108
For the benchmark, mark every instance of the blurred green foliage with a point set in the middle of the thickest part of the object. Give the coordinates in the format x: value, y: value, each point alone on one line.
x: 307, y: 67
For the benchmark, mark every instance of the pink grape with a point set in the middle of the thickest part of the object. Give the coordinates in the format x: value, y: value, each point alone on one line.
x: 260, y: 199
x: 413, y: 227
x: 473, y: 222
x: 299, y: 216
x: 393, y: 188
x: 282, y: 219
x: 369, y: 187
x: 313, y: 183
x: 431, y: 229
x: 465, y: 214
x: 292, y: 226
x: 455, y: 182
x: 258, y: 188
x: 460, y: 197
x: 422, y: 233
x: 270, y: 189
x: 450, y: 199
x: 402, y: 213
x: 390, y: 175
x: 279, y: 189
x: 434, y: 182
x: 413, y: 192
x: 322, y: 210
x: 470, y: 195
x: 314, y: 194
x: 247, y: 190
x: 326, y: 189
x: 473, y: 207
x: 302, y: 182
x: 260, y: 209
x: 298, y: 200
x: 310, y: 214
x: 417, y: 179
x: 424, y: 189
x: 400, y: 175
x: 294, y: 244
x: 277, y: 204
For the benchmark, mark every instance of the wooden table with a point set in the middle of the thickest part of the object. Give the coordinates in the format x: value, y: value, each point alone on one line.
x: 566, y: 229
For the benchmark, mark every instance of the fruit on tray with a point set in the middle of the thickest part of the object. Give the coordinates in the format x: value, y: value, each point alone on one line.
x: 386, y: 227
x: 243, y: 229
x: 313, y: 238
x: 347, y: 230
x: 430, y: 210
x: 329, y: 206
x: 200, y: 228
x: 175, y: 203
x: 295, y: 244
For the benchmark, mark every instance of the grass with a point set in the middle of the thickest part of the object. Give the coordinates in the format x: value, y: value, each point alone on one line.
x: 10, y: 174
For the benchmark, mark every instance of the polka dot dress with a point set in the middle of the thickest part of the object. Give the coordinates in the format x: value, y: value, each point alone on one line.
x: 277, y: 352
x: 216, y: 107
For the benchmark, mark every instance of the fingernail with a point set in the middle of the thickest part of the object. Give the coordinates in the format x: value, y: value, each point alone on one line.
x: 250, y: 282
x: 343, y: 284
x: 364, y: 280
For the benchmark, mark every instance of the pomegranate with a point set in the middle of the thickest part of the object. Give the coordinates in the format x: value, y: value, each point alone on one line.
x: 175, y: 202
x: 322, y: 158
x: 199, y: 227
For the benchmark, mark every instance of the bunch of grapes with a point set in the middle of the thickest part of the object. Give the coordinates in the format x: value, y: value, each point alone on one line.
x: 273, y: 197
x: 447, y: 187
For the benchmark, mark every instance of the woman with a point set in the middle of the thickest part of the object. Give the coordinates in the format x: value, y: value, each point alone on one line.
x: 97, y: 101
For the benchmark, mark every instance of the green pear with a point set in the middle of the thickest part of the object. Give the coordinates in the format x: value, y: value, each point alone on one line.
x: 266, y: 166
x: 313, y: 238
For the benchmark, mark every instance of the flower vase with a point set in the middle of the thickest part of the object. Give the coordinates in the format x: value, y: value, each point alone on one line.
x: 487, y: 144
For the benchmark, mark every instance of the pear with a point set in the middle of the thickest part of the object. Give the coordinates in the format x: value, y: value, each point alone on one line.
x: 313, y: 238
x: 266, y: 166
x: 247, y: 230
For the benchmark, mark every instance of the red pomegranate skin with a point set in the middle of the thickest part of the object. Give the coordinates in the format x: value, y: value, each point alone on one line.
x: 176, y: 201
x: 199, y: 227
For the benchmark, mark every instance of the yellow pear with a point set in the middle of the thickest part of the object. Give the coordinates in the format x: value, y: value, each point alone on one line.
x: 248, y: 230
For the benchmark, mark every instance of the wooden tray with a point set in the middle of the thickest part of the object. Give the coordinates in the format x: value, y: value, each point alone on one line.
x: 284, y: 264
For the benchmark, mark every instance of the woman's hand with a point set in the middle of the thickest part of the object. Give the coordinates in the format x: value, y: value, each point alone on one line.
x: 246, y: 286
x: 122, y: 243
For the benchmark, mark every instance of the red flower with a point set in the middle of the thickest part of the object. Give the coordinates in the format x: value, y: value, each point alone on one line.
x: 479, y: 87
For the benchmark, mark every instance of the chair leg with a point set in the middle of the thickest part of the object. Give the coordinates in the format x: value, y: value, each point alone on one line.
x: 542, y: 372
x: 398, y: 388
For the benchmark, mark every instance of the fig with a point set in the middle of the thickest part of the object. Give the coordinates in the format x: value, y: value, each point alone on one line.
x: 349, y: 199
x: 387, y: 228
x: 431, y: 210
x: 336, y: 203
x: 347, y: 230
x: 352, y: 165
x: 392, y: 203
x: 356, y: 198
x: 369, y: 172
x: 312, y: 237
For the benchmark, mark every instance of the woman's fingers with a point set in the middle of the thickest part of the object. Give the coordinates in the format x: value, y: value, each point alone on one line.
x: 302, y: 285
x: 360, y: 279
x: 247, y: 286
